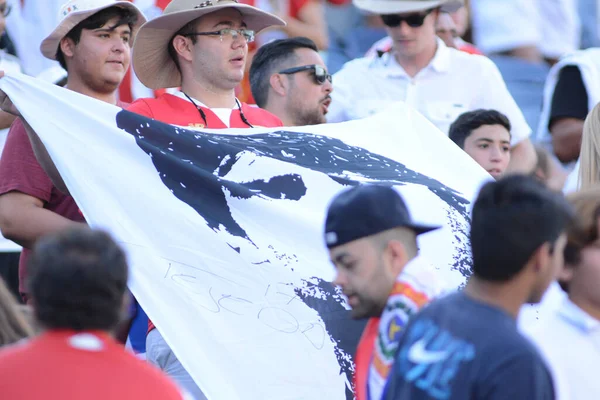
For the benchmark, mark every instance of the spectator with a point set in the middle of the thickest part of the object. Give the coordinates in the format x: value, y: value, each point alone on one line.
x: 569, y: 95
x: 438, y: 81
x: 92, y: 42
x: 78, y: 283
x: 304, y: 18
x: 372, y: 242
x: 466, y: 345
x: 485, y: 136
x: 201, y: 49
x: 289, y: 79
x: 445, y: 28
x: 568, y: 339
x: 13, y: 324
x: 587, y: 173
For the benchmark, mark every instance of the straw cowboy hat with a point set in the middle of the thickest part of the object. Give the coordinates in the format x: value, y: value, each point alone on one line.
x: 406, y: 6
x: 151, y: 60
x: 75, y: 11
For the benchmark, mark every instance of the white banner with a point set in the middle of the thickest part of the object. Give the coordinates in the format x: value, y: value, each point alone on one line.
x: 224, y: 229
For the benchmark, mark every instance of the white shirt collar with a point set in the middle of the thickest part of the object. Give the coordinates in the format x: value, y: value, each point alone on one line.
x: 439, y: 63
x: 574, y: 315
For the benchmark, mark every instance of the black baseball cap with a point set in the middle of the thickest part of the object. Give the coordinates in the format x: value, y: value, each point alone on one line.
x: 365, y: 210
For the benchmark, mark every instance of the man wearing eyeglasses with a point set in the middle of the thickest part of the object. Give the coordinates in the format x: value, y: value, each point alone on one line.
x: 440, y: 82
x: 201, y: 48
x: 289, y: 79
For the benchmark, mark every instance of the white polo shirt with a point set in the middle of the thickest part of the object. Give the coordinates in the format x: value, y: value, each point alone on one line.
x: 453, y: 83
x: 569, y: 340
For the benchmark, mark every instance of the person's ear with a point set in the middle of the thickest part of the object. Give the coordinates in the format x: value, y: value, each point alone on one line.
x: 397, y: 256
x: 565, y: 274
x: 67, y: 47
x: 541, y: 258
x: 278, y: 84
x: 183, y: 47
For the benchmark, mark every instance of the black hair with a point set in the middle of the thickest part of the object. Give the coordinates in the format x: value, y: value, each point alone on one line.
x: 270, y: 58
x: 77, y: 280
x: 512, y: 218
x: 467, y: 122
x: 95, y: 21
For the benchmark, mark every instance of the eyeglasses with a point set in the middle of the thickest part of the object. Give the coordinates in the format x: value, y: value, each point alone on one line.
x: 247, y: 34
x: 412, y: 20
x: 320, y: 74
x: 5, y: 9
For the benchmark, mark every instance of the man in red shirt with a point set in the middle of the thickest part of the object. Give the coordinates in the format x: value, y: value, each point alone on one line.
x: 92, y: 42
x: 201, y: 48
x: 78, y: 281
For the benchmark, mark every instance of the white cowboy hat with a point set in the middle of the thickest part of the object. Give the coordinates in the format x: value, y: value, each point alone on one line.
x: 152, y: 62
x: 75, y: 11
x: 406, y: 6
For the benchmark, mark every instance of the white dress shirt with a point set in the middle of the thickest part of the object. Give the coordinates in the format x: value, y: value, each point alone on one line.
x: 570, y: 342
x: 454, y: 82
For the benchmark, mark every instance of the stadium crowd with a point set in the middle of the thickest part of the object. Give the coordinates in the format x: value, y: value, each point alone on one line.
x: 513, y: 83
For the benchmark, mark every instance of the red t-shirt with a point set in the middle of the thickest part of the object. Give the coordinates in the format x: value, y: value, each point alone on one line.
x: 20, y: 171
x: 177, y: 111
x: 65, y: 365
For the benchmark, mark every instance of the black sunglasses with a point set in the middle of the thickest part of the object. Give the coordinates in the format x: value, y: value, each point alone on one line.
x: 319, y: 72
x: 412, y: 20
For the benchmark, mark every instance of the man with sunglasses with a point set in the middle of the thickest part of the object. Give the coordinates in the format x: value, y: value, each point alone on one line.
x: 440, y: 82
x: 200, y: 47
x: 289, y: 79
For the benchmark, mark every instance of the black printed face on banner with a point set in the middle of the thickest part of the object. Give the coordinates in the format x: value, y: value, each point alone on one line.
x: 194, y: 167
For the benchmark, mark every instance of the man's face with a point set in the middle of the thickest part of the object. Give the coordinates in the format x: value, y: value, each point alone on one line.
x: 219, y: 61
x: 102, y: 56
x: 549, y: 272
x: 411, y: 41
x: 308, y: 100
x: 362, y: 276
x: 585, y: 277
x: 489, y: 145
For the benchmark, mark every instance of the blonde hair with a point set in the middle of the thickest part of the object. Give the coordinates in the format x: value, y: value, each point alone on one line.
x: 589, y: 158
x: 13, y: 324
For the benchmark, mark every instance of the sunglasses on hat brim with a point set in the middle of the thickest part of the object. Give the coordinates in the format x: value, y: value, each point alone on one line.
x: 320, y: 74
x: 412, y: 20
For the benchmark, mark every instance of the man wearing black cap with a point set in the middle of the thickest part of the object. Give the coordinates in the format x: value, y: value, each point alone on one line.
x: 372, y: 242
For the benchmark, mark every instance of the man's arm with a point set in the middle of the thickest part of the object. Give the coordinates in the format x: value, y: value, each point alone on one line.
x: 568, y: 110
x: 23, y: 219
x: 310, y: 23
x: 6, y: 120
x: 523, y: 158
x: 566, y: 138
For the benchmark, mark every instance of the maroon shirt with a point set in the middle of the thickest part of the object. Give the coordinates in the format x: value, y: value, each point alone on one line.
x: 20, y: 171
